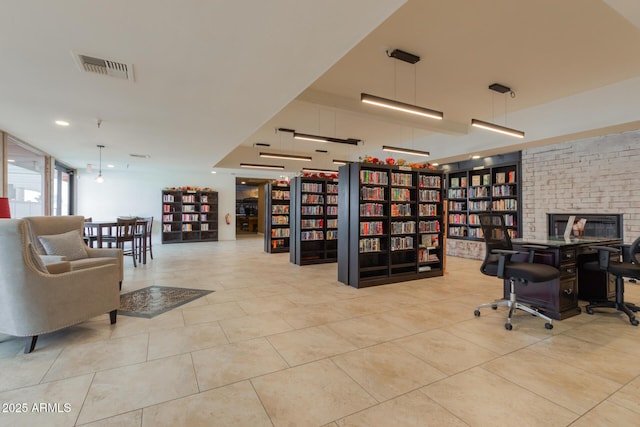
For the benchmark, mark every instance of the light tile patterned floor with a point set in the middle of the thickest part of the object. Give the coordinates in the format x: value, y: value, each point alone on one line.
x: 281, y: 345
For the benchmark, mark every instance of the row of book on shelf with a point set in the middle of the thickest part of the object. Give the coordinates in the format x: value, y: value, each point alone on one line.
x: 425, y: 254
x: 377, y: 209
x: 306, y: 236
x: 484, y: 179
x: 372, y: 228
x: 279, y: 195
x: 168, y: 228
x: 280, y: 209
x: 312, y: 198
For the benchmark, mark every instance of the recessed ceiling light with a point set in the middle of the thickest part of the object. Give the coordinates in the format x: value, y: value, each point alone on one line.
x: 11, y: 161
x: 243, y: 182
x: 434, y: 164
x: 475, y: 157
x: 214, y: 172
x: 62, y: 123
x: 110, y: 166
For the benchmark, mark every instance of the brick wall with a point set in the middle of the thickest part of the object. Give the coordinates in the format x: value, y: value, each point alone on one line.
x: 594, y: 175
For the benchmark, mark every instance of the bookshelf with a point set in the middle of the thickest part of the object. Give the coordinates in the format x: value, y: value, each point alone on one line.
x: 313, y: 220
x: 490, y: 185
x: 276, y: 222
x: 391, y: 224
x: 189, y: 216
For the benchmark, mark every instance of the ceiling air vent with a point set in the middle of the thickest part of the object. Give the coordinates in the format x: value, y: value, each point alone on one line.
x: 140, y: 156
x: 107, y: 67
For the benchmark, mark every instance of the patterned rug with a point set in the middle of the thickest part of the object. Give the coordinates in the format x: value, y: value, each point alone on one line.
x: 154, y: 300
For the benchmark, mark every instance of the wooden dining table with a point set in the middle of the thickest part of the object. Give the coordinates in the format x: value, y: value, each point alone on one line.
x: 108, y: 228
x: 101, y: 228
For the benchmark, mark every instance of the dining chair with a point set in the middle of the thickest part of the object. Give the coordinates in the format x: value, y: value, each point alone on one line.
x: 144, y: 227
x: 89, y: 233
x: 124, y: 237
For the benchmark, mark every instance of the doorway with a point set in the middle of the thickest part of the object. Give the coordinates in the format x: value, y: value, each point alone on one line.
x: 249, y: 206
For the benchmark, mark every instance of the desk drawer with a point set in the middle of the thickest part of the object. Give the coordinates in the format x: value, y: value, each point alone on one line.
x: 567, y: 270
x: 568, y: 293
x: 568, y: 255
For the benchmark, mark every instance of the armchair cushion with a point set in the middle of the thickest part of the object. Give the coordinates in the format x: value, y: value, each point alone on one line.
x: 69, y: 244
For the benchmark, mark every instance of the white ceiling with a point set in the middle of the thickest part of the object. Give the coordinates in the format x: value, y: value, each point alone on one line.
x: 213, y: 78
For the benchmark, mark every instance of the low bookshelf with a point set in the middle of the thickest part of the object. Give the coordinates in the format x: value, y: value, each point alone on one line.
x: 189, y: 215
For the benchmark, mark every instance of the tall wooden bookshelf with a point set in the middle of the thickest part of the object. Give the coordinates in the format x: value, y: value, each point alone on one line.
x: 488, y: 186
x: 276, y: 217
x: 314, y: 220
x: 391, y: 224
x: 189, y: 216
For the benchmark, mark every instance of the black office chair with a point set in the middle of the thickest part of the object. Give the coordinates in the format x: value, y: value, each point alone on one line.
x: 497, y: 262
x: 629, y: 267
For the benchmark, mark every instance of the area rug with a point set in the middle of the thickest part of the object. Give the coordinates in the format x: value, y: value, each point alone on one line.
x: 154, y: 300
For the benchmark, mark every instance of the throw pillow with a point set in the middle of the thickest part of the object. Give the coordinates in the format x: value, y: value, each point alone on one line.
x: 69, y: 244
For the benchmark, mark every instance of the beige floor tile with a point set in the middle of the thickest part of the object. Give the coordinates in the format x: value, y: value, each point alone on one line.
x: 26, y: 369
x: 604, y: 361
x: 121, y: 390
x: 184, y: 340
x: 265, y: 304
x: 415, y: 318
x: 481, y: 398
x: 130, y: 419
x: 360, y: 306
x: 310, y: 315
x: 99, y: 356
x: 313, y: 394
x: 610, y: 332
x: 232, y: 405
x: 413, y: 409
x: 562, y: 384
x: 128, y: 326
x: 628, y: 396
x: 446, y: 352
x: 230, y: 363
x: 387, y: 371
x: 607, y: 414
x: 65, y: 397
x: 305, y: 345
x: 212, y: 313
x: 229, y: 295
x: 489, y: 332
x: 249, y: 327
x: 368, y: 330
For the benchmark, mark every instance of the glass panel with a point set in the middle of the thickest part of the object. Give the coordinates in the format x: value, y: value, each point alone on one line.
x: 62, y: 191
x: 25, y: 181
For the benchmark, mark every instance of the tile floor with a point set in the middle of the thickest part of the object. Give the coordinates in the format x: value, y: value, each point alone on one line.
x: 281, y: 345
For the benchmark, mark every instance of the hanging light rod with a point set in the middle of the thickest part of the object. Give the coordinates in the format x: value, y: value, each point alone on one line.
x: 401, y: 106
x: 311, y: 170
x: 317, y: 138
x: 406, y: 151
x: 256, y: 166
x: 285, y: 156
x: 100, y: 178
x: 497, y: 128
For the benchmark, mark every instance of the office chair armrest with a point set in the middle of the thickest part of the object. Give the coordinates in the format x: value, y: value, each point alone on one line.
x: 505, y: 257
x: 532, y: 252
x: 604, y: 255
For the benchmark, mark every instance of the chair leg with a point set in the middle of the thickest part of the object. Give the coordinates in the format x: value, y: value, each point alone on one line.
x: 31, y: 344
x: 618, y: 304
x: 113, y: 316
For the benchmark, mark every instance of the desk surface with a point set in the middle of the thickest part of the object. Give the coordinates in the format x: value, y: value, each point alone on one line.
x: 559, y: 241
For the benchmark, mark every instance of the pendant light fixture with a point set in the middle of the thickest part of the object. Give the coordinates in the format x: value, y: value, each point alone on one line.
x: 391, y: 104
x: 285, y: 156
x: 406, y: 151
x: 100, y: 178
x: 500, y: 88
x: 258, y: 166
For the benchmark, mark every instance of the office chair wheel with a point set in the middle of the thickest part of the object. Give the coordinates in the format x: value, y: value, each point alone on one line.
x: 589, y: 310
x: 634, y: 322
x: 508, y: 326
x: 494, y: 307
x: 476, y: 313
x: 548, y: 325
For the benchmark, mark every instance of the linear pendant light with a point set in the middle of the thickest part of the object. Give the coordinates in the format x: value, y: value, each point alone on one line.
x: 285, y: 156
x: 312, y: 170
x: 317, y: 138
x: 497, y: 128
x: 400, y: 106
x: 340, y: 162
x: 406, y: 151
x: 257, y: 166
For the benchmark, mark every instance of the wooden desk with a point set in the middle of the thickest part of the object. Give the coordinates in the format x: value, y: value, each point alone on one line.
x: 558, y: 298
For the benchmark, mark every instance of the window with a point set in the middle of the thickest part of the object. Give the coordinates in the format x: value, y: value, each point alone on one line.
x: 25, y: 180
x: 63, y: 190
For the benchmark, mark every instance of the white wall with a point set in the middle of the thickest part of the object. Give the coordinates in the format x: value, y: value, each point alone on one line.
x: 127, y: 193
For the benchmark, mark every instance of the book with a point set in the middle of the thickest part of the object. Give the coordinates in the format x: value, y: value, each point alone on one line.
x: 500, y: 178
x: 455, y: 182
x: 475, y: 180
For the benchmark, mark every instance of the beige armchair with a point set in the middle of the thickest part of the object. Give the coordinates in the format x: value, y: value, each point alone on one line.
x: 55, y: 225
x: 34, y: 301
